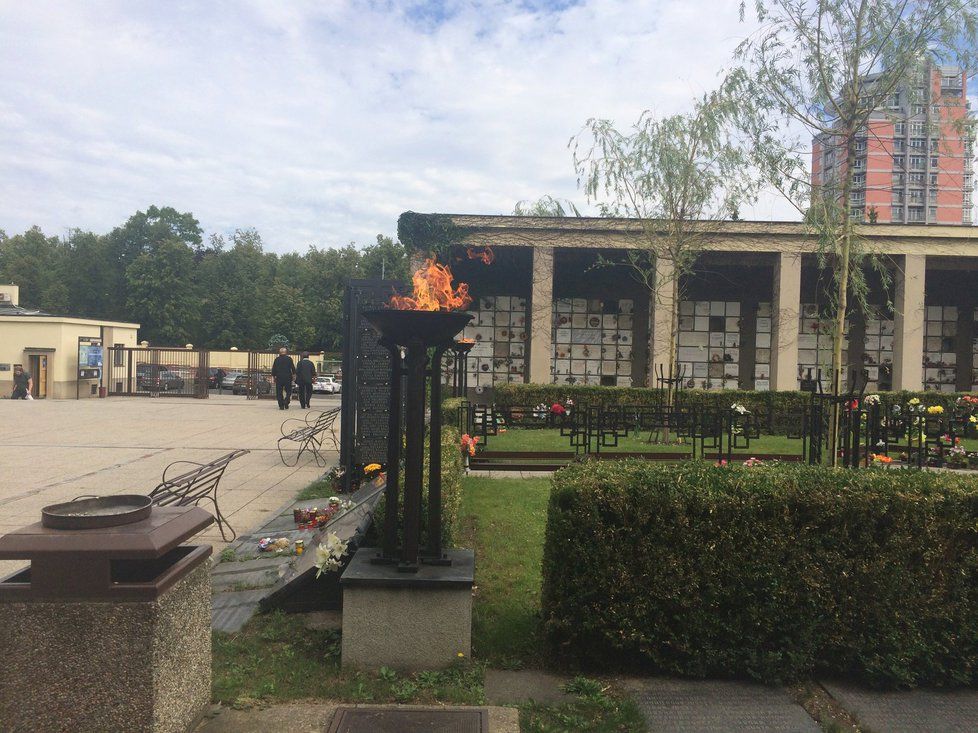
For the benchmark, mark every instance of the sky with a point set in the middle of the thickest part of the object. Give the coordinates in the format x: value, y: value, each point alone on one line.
x: 317, y: 122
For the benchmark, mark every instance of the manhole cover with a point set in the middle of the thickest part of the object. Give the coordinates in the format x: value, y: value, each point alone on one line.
x: 410, y: 720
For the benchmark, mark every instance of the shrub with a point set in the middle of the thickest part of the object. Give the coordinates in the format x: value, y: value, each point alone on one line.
x: 777, y: 410
x: 449, y: 411
x: 451, y: 492
x: 772, y: 572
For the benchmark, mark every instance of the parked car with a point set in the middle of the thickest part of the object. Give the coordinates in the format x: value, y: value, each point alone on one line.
x: 243, y: 384
x: 212, y: 377
x: 228, y: 381
x: 158, y: 378
x: 325, y: 385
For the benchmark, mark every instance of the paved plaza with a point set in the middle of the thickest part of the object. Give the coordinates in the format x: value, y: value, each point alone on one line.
x: 55, y: 450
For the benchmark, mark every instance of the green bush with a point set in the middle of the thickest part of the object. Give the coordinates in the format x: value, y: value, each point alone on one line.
x: 777, y: 410
x: 451, y: 492
x: 449, y: 411
x: 773, y: 572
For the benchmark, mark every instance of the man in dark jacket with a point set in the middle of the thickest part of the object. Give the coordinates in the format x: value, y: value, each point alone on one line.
x: 283, y: 371
x: 305, y: 375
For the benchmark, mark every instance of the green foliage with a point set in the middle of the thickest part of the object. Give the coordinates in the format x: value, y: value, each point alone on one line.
x: 777, y: 410
x: 428, y: 232
x: 156, y: 269
x: 451, y: 491
x: 773, y: 572
x: 597, y: 710
x: 546, y: 206
x: 449, y: 410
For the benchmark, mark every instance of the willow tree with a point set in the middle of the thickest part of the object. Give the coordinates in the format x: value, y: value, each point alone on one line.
x: 676, y: 176
x: 820, y: 69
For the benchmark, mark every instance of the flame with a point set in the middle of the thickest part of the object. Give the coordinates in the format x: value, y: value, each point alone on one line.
x: 481, y: 253
x: 433, y: 291
x: 466, y: 341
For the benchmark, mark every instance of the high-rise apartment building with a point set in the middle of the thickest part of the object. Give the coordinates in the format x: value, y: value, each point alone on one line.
x: 915, y: 161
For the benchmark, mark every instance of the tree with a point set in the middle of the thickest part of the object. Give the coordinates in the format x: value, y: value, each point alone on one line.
x: 163, y: 297
x: 825, y: 66
x: 546, y: 206
x: 36, y: 263
x: 674, y: 175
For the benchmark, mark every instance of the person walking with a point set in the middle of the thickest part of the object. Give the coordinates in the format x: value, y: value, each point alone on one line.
x: 305, y: 375
x: 23, y: 384
x: 219, y: 377
x: 283, y: 371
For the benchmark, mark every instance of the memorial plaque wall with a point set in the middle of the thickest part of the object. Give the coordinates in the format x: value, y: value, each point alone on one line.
x: 366, y: 376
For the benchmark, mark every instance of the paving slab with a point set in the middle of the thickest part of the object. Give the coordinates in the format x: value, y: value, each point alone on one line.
x: 707, y: 706
x: 909, y: 711
x: 514, y: 687
x: 315, y: 716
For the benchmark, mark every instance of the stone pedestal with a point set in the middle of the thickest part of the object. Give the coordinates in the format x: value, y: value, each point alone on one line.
x: 407, y: 621
x: 92, y: 666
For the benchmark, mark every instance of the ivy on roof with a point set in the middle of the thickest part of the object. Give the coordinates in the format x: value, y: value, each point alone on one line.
x: 428, y: 232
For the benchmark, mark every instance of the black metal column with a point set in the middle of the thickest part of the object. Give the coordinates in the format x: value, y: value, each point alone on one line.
x: 391, y: 498
x: 414, y: 429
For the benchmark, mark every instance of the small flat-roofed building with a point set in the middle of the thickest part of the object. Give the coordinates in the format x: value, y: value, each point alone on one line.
x: 47, y: 346
x: 753, y: 313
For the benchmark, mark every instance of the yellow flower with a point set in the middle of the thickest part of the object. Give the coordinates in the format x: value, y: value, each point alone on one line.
x: 370, y: 467
x: 461, y: 655
x: 935, y: 410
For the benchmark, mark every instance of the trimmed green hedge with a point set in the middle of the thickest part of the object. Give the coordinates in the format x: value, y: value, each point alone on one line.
x: 779, y: 405
x: 451, y: 491
x: 773, y: 572
x: 449, y: 410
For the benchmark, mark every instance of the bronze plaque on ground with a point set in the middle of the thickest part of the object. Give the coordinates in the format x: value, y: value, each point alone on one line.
x: 409, y: 719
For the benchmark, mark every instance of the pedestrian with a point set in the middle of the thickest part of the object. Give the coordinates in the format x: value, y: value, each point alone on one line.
x: 305, y: 375
x: 219, y: 377
x: 23, y: 384
x: 283, y: 371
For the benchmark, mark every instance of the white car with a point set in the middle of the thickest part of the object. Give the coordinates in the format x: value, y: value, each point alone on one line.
x: 326, y: 385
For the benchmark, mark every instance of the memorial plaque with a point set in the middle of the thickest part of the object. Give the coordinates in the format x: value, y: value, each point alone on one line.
x: 366, y: 376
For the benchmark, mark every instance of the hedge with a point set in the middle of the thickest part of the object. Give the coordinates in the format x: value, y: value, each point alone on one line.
x: 780, y: 406
x: 451, y: 491
x: 773, y: 572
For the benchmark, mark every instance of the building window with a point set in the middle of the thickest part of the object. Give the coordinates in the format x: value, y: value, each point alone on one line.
x: 916, y: 195
x: 918, y: 109
x: 932, y: 195
x: 898, y: 197
x: 899, y: 179
x: 899, y: 128
x: 859, y: 179
x: 933, y: 179
x: 916, y: 128
x: 893, y: 101
x: 899, y: 146
x: 917, y: 178
x: 856, y: 213
x: 896, y: 213
x: 859, y: 163
x: 916, y: 162
x: 915, y: 213
x: 933, y: 161
x: 935, y: 109
x: 917, y: 143
x: 860, y: 146
x: 932, y: 213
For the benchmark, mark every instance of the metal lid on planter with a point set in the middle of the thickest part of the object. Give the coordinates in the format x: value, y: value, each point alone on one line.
x: 160, y: 532
x: 140, y: 560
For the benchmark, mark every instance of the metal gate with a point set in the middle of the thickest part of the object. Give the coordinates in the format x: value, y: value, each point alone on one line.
x: 259, y: 384
x: 153, y: 372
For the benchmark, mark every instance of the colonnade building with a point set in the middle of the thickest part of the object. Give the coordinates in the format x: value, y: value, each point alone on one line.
x: 753, y: 315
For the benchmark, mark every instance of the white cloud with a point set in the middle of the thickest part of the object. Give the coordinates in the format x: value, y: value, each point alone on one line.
x: 318, y: 123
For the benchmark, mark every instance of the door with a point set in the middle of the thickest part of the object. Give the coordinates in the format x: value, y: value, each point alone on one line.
x: 39, y: 371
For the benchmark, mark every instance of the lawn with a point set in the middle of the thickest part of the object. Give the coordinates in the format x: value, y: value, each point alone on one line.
x: 504, y: 520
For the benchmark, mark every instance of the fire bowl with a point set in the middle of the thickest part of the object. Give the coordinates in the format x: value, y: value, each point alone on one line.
x: 463, y: 347
x: 433, y: 328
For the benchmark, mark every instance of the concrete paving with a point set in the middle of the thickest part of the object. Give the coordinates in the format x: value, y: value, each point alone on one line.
x: 706, y: 706
x: 505, y: 687
x: 55, y: 450
x: 909, y: 711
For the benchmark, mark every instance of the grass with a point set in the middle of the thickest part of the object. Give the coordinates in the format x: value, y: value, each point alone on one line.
x: 275, y: 658
x: 596, y: 709
x: 317, y: 490
x: 504, y: 520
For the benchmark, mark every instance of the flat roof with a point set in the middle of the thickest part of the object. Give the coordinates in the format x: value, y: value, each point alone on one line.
x: 39, y: 317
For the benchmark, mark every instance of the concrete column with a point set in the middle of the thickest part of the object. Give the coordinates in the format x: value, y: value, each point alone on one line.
x: 541, y: 316
x: 908, y: 323
x: 784, y: 322
x: 661, y: 308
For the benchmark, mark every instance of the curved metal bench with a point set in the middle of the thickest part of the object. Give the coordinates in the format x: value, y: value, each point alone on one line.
x: 309, y: 432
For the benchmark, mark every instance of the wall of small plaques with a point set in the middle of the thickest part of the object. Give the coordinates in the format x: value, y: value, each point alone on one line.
x: 500, y: 329
x: 815, y: 346
x: 878, y: 354
x: 593, y: 341
x: 709, y: 343
x: 762, y: 348
x: 940, y: 342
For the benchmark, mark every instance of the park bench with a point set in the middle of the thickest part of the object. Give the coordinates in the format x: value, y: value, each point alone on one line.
x: 308, y: 433
x: 195, y: 485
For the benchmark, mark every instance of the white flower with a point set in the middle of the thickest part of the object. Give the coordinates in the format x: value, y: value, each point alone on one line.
x: 738, y: 408
x: 872, y: 399
x: 329, y: 555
